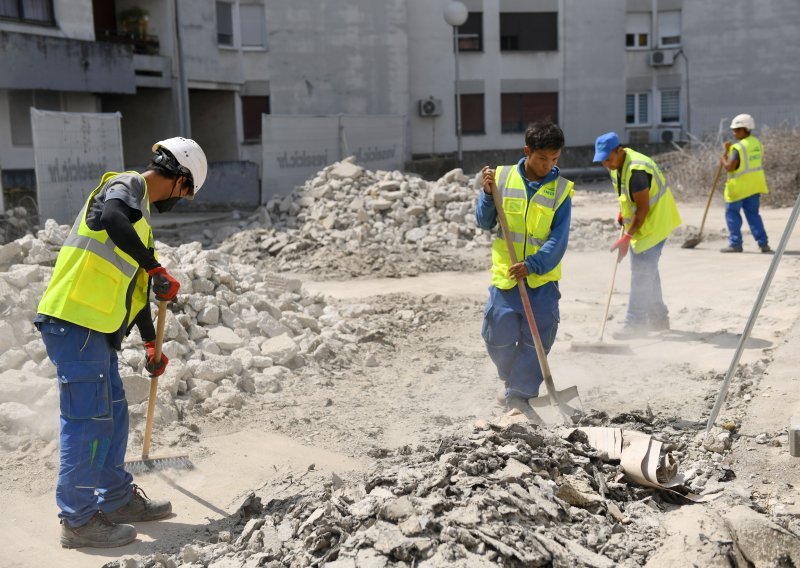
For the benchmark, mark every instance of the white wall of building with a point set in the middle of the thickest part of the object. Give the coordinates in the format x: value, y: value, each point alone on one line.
x: 743, y: 58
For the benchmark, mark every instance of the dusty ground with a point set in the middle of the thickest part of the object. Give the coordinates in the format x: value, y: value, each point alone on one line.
x: 434, y: 378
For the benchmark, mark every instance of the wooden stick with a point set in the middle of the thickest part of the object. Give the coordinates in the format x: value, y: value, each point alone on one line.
x: 610, y: 291
x: 151, y: 401
x: 708, y: 203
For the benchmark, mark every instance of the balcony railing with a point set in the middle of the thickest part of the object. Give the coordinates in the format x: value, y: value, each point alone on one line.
x: 140, y: 44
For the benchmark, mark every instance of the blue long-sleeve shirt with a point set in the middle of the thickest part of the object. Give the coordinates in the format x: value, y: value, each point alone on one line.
x: 554, y: 247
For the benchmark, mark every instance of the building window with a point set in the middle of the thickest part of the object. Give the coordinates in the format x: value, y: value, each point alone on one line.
x: 671, y: 106
x: 253, y: 25
x: 472, y: 121
x: 470, y: 35
x: 518, y: 110
x: 29, y: 11
x: 637, y: 109
x: 19, y: 104
x: 252, y: 109
x: 515, y: 31
x: 225, y: 24
x: 669, y: 29
x: 637, y: 30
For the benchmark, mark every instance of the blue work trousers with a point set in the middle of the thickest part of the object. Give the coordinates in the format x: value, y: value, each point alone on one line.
x: 646, y: 303
x: 94, y: 422
x: 733, y: 218
x: 508, y: 337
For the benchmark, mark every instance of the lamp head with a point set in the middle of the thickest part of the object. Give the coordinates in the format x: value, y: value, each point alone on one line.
x: 455, y: 13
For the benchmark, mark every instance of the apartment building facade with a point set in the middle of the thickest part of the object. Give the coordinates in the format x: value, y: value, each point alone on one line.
x: 653, y: 70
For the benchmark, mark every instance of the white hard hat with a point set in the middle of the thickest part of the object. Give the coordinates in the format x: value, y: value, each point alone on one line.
x: 189, y: 155
x: 743, y: 121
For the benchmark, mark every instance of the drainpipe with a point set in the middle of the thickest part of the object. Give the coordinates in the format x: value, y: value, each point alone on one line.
x: 185, y: 126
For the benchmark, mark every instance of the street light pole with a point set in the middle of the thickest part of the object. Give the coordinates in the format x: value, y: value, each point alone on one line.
x: 458, y: 101
x: 455, y: 14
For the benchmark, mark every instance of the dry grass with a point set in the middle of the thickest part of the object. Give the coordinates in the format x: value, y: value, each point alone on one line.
x: 690, y: 170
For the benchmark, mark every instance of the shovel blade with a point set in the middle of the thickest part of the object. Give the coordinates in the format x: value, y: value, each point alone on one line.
x: 568, y: 408
x: 692, y: 242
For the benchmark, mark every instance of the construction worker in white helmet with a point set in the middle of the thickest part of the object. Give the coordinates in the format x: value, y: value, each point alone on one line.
x: 99, y: 290
x: 746, y: 182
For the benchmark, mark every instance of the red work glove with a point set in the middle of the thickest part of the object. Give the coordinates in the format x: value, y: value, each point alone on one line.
x: 622, y: 246
x: 619, y: 219
x: 164, y: 285
x: 154, y: 368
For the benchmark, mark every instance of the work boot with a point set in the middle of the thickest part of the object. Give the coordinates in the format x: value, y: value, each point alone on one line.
x: 765, y: 249
x: 521, y: 404
x: 140, y: 508
x: 731, y: 248
x: 99, y: 532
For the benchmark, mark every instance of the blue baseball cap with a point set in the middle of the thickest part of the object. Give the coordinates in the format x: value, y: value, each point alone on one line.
x: 604, y: 145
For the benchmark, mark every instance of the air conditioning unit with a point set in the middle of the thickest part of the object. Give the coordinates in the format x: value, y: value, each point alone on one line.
x: 670, y: 135
x: 661, y: 58
x: 430, y: 107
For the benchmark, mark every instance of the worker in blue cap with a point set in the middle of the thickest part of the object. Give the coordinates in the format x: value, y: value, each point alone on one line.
x: 648, y: 213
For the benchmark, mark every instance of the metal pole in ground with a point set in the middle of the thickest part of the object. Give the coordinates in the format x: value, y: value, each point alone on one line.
x: 748, y: 328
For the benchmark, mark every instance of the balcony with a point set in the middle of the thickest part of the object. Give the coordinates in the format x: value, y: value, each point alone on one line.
x: 58, y: 64
x: 141, y: 44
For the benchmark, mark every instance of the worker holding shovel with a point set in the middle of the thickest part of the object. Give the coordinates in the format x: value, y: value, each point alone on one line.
x: 98, y: 292
x: 648, y: 214
x: 746, y: 182
x: 537, y: 205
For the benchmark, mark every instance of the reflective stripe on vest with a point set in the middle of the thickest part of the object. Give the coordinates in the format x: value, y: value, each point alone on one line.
x: 744, y: 161
x: 662, y: 216
x: 529, y: 224
x: 748, y: 178
x: 549, y: 202
x: 94, y: 283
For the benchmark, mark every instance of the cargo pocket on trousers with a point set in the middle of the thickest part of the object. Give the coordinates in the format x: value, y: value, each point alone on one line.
x: 83, y: 389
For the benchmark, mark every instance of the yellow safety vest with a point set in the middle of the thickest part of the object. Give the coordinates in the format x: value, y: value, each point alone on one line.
x: 748, y: 178
x: 662, y: 217
x: 529, y: 223
x: 94, y: 283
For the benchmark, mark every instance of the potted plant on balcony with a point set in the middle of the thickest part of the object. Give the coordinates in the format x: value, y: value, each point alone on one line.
x: 134, y: 21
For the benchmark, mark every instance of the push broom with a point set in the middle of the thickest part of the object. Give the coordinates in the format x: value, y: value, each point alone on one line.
x: 157, y: 463
x: 599, y: 346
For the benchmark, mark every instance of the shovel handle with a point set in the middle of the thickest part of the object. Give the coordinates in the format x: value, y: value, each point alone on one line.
x: 610, y: 291
x: 151, y: 400
x: 526, y: 304
x: 710, y: 195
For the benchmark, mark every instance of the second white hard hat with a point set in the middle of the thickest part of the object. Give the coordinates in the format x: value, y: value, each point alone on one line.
x: 189, y: 155
x: 743, y: 121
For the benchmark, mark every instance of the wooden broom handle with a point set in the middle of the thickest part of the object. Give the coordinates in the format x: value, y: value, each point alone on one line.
x: 151, y: 401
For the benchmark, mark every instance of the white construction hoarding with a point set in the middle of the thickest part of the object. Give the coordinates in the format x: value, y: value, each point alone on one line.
x: 297, y: 147
x: 72, y: 151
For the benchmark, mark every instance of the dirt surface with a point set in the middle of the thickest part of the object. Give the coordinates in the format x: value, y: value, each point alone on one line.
x: 427, y: 375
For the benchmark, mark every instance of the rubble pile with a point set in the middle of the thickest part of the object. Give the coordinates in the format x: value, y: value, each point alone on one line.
x: 234, y: 332
x: 503, y: 496
x: 16, y: 222
x: 347, y: 221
